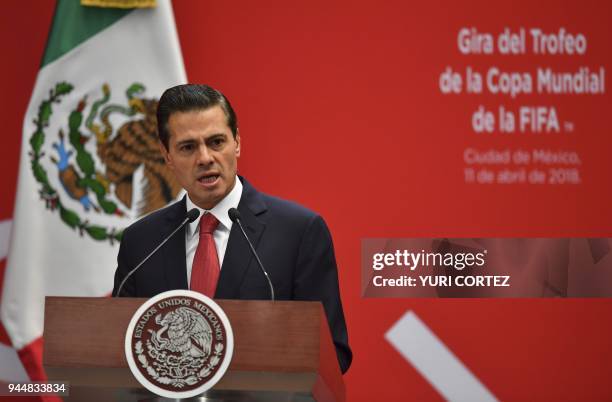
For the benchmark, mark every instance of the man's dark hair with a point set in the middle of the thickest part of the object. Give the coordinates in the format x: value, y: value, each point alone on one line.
x: 187, y: 98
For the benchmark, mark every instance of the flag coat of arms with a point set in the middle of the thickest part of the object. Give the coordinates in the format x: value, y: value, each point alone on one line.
x: 90, y: 163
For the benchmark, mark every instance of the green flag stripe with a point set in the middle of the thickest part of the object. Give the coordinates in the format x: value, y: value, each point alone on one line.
x: 73, y: 24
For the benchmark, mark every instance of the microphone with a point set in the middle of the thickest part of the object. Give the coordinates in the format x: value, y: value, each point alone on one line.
x: 191, y: 216
x: 234, y: 215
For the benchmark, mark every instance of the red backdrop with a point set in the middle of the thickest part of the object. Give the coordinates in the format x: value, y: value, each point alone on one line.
x: 340, y: 110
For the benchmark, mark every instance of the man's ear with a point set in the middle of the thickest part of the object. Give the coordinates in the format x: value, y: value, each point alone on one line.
x: 165, y: 154
x: 237, y: 139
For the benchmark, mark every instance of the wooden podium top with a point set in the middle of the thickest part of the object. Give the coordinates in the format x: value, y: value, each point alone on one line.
x: 280, y: 346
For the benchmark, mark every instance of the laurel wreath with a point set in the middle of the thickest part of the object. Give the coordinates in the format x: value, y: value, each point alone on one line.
x: 179, y: 382
x: 84, y: 160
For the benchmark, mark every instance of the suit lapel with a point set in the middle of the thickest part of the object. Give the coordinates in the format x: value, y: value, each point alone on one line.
x: 238, y: 256
x: 175, y: 266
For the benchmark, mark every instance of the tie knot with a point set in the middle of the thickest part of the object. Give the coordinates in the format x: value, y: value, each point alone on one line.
x: 208, y: 223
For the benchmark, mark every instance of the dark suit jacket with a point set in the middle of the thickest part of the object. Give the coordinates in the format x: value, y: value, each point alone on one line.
x: 293, y: 243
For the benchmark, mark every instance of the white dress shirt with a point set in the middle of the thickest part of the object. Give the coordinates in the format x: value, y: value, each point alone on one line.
x: 221, y: 234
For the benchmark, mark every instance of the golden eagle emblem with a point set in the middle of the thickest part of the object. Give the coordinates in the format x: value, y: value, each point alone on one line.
x: 100, y: 155
x: 134, y: 144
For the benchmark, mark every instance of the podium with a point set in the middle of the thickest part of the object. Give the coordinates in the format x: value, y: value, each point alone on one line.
x: 283, y: 351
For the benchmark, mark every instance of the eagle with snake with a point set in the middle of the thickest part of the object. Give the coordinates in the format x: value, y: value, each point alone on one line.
x: 187, y: 332
x: 134, y: 144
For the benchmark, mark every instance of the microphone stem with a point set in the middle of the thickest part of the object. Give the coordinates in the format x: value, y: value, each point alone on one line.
x: 258, y: 260
x: 150, y: 254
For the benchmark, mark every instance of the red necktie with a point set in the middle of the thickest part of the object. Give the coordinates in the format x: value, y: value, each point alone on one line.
x: 205, y: 269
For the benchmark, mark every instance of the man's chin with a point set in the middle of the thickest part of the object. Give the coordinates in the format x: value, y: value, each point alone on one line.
x: 207, y: 201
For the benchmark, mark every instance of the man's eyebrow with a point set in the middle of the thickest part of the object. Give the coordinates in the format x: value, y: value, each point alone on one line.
x: 187, y: 141
x: 216, y: 136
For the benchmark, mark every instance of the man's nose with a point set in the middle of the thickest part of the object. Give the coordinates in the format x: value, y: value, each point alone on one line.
x: 204, y: 155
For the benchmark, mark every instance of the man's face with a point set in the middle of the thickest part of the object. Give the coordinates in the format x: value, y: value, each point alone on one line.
x: 203, y: 154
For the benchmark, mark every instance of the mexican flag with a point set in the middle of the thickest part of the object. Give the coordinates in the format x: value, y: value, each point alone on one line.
x: 90, y: 163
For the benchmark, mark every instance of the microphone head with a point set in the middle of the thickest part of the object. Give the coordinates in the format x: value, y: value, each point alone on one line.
x: 234, y: 214
x: 192, y: 215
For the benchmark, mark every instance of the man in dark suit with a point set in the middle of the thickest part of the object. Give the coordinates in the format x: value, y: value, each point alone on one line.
x: 200, y: 142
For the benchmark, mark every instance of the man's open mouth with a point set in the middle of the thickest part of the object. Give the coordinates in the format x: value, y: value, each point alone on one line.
x: 208, y: 179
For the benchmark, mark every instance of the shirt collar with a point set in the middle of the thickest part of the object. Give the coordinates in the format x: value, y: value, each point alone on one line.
x: 219, y: 211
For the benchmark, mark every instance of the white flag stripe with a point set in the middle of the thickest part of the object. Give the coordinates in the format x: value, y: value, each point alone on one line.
x: 5, y: 234
x: 434, y: 361
x: 10, y: 366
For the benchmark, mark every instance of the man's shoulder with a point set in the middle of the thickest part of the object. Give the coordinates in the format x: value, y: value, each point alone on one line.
x: 286, y: 206
x: 158, y: 219
x: 291, y: 213
x: 276, y: 207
